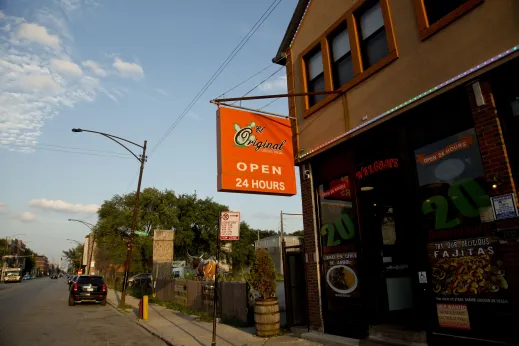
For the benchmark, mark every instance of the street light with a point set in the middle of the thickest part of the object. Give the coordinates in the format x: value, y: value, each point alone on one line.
x: 142, y: 160
x: 91, y: 226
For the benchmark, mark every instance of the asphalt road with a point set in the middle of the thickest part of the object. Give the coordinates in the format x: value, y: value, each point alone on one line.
x: 36, y: 312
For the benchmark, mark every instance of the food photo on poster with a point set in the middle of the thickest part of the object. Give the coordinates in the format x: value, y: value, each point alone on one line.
x: 468, y: 270
x: 341, y: 274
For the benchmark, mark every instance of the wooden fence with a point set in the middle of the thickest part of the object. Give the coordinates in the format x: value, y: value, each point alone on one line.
x: 197, y: 295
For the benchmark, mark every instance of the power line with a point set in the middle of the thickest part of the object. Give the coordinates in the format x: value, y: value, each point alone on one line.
x: 63, y: 151
x: 263, y: 81
x: 222, y: 67
x: 92, y: 150
x: 248, y: 79
x: 268, y: 104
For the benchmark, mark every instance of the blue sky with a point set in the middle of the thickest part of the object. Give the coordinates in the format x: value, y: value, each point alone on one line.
x: 128, y: 68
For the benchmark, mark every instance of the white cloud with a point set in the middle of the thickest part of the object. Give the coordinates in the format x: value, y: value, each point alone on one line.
x: 67, y: 67
x: 3, y: 207
x: 42, y: 83
x: 62, y: 206
x: 37, y: 34
x: 35, y: 83
x: 128, y: 69
x: 162, y: 91
x: 96, y: 69
x: 2, y: 15
x: 25, y: 217
x: 278, y: 84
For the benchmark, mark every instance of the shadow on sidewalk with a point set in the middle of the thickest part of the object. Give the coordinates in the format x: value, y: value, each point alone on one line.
x: 176, y: 325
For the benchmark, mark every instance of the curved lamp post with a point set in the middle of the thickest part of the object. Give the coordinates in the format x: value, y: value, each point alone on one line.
x: 91, y: 226
x: 142, y: 159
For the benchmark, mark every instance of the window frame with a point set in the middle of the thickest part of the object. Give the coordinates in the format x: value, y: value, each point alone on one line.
x: 308, y: 55
x: 427, y: 30
x: 349, y: 19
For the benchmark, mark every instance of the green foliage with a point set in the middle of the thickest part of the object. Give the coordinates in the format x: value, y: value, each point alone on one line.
x: 74, y: 255
x: 263, y: 275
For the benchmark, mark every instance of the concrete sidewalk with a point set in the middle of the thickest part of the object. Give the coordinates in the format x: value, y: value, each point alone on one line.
x: 179, y: 329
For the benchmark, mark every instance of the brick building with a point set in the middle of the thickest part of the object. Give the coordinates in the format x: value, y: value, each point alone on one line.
x: 42, y: 265
x: 407, y: 163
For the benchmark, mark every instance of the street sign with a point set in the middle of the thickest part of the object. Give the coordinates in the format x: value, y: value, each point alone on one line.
x: 230, y: 225
x: 141, y: 233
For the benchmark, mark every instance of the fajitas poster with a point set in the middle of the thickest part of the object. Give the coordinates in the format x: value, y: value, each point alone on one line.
x: 468, y: 270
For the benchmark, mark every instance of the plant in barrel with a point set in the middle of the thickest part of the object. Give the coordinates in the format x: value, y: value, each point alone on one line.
x: 263, y: 280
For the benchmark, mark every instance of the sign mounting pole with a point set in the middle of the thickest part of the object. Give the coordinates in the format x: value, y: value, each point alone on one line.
x: 215, y: 293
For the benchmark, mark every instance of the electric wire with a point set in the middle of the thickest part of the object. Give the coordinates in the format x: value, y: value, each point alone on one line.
x: 248, y: 79
x: 222, y: 67
x: 263, y: 81
x: 7, y: 146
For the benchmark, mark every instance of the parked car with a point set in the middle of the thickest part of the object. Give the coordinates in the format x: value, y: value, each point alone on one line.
x: 26, y: 277
x: 140, y: 279
x: 88, y: 288
x: 71, y: 280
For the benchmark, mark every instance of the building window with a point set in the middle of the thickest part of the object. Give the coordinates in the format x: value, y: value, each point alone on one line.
x: 436, y: 10
x: 372, y: 36
x: 315, y: 76
x: 434, y: 15
x: 340, y: 54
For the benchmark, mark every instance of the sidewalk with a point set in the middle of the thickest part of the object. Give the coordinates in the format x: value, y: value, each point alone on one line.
x: 178, y: 329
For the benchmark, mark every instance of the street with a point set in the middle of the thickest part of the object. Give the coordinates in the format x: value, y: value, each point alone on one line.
x: 35, y: 312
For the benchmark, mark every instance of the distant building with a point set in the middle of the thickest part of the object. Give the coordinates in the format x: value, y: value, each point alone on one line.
x: 42, y: 264
x: 273, y: 246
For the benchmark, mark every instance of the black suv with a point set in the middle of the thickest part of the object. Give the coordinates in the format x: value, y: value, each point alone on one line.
x: 88, y: 288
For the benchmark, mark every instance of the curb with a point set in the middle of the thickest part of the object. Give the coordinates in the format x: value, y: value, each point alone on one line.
x: 146, y: 328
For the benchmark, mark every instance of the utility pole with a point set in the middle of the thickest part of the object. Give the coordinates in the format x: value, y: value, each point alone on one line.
x: 142, y: 160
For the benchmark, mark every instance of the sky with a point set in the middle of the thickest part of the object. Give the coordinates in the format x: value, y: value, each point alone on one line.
x: 128, y: 68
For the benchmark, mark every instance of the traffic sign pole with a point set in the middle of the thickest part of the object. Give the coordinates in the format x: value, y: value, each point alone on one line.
x: 215, y: 292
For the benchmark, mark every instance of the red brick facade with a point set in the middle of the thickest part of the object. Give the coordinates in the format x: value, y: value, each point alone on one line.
x: 311, y: 257
x: 492, y: 145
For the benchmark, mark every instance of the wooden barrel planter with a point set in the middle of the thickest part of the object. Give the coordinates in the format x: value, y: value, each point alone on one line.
x: 266, y: 317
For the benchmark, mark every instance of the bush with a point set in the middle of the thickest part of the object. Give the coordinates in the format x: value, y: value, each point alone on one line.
x: 263, y: 275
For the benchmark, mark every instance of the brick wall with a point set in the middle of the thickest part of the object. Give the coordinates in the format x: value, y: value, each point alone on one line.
x: 492, y: 145
x: 311, y: 257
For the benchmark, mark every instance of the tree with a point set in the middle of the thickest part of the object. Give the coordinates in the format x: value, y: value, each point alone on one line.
x: 299, y: 233
x: 74, y: 255
x: 242, y: 254
x: 30, y: 262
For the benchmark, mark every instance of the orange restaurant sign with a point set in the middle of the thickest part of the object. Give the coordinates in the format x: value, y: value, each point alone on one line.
x: 255, y: 153
x: 466, y: 142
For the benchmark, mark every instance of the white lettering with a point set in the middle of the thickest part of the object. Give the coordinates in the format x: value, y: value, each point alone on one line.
x: 265, y: 169
x: 267, y: 185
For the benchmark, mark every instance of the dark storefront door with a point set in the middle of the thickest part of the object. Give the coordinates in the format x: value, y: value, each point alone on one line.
x: 387, y: 247
x: 295, y: 286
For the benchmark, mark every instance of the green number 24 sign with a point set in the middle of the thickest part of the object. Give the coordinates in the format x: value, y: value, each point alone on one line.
x: 457, y: 193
